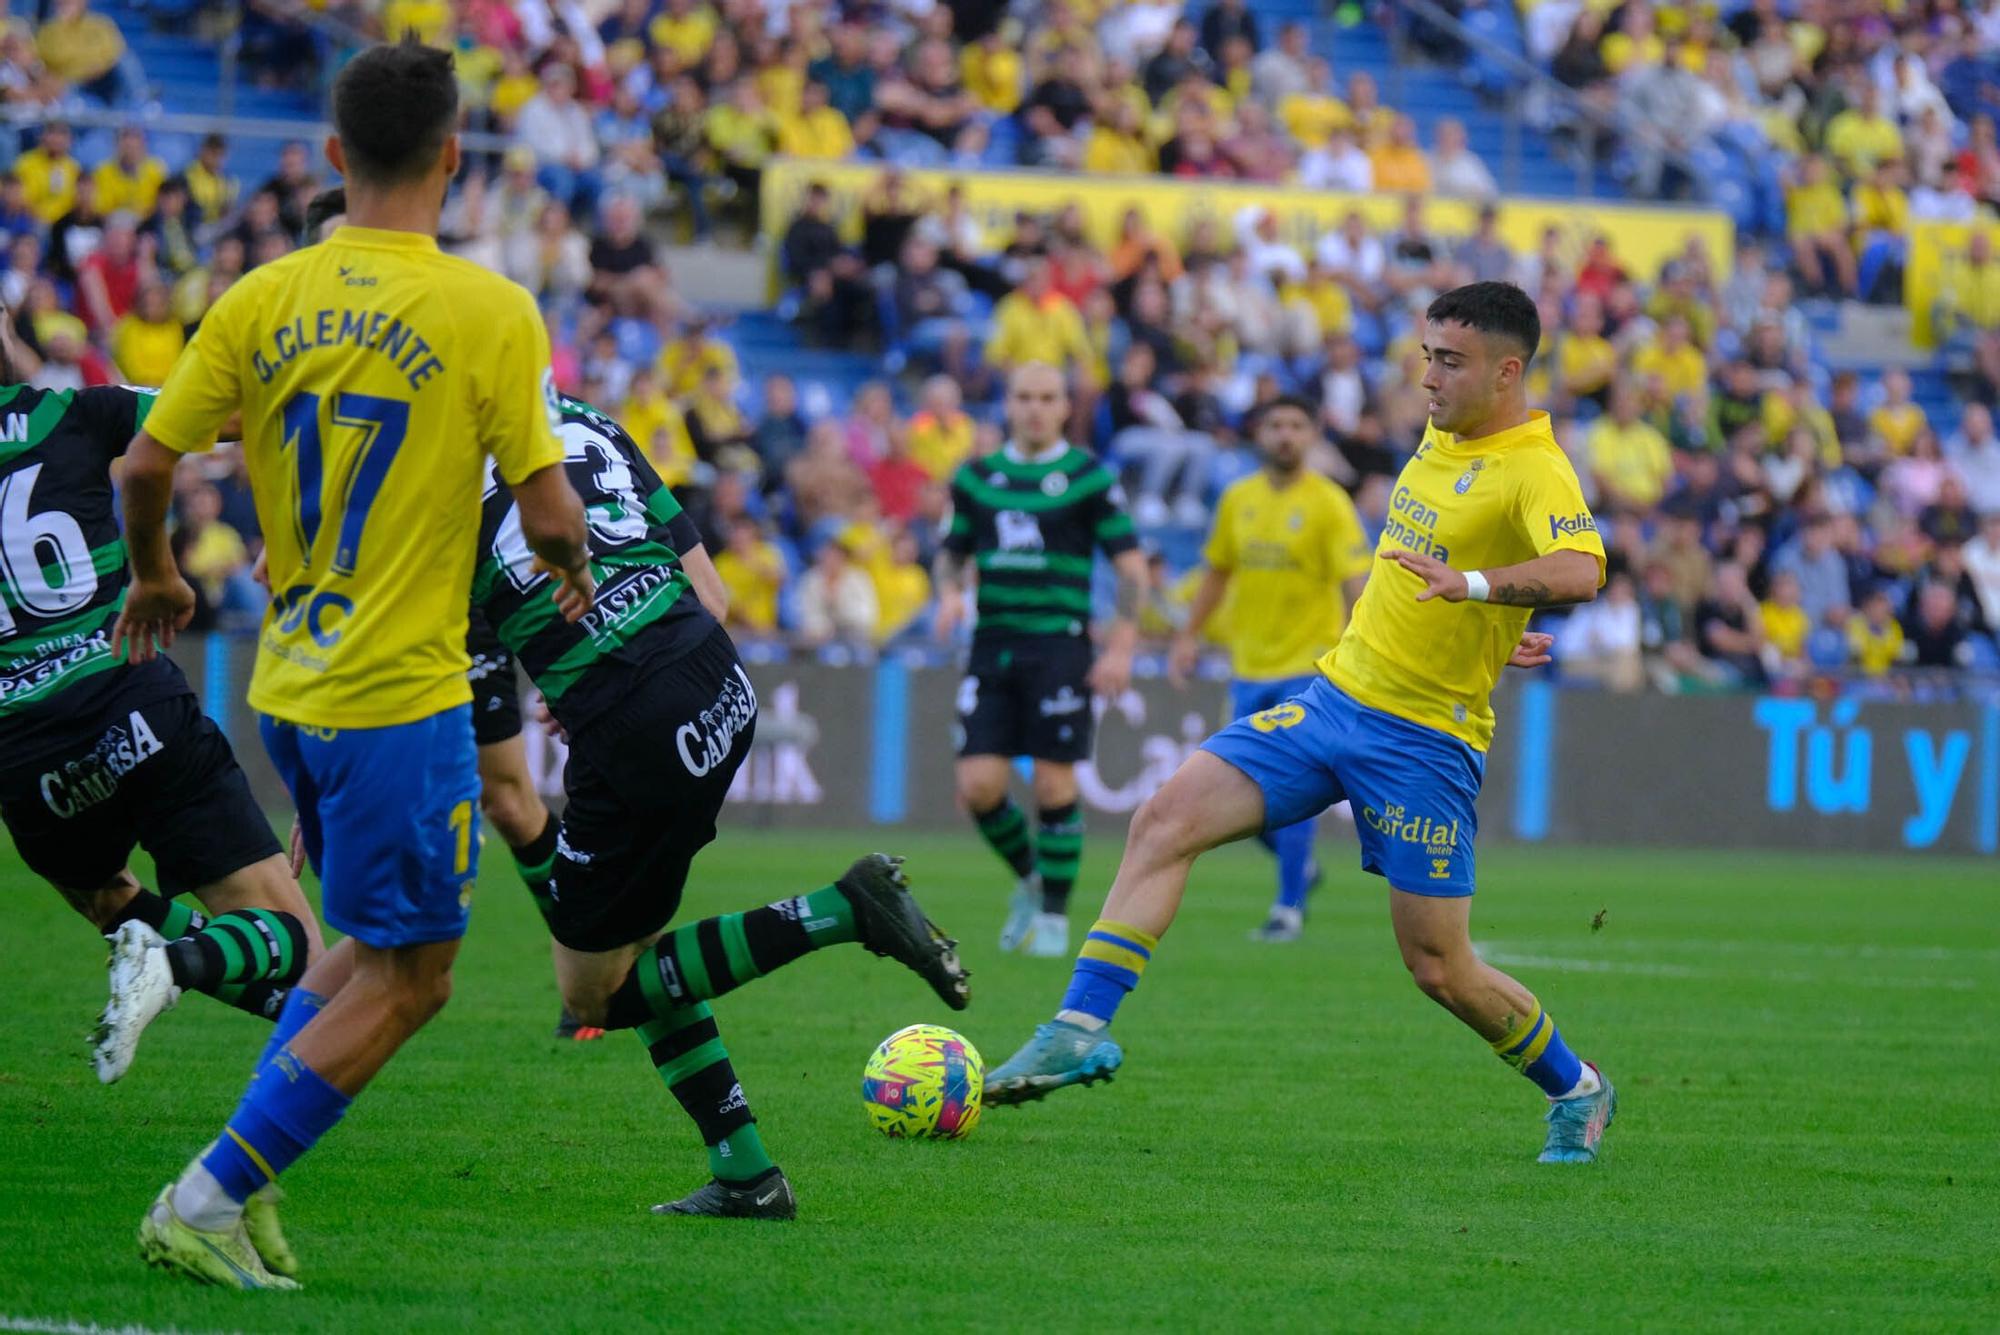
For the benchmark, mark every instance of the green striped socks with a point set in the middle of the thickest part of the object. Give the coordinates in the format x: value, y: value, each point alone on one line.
x: 247, y: 946
x: 687, y: 1051
x: 706, y: 959
x: 666, y: 996
x: 1058, y: 851
x: 1005, y: 830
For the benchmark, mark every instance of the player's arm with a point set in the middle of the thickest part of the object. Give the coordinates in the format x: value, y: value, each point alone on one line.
x: 553, y: 525
x: 707, y: 584
x: 950, y: 568
x: 1112, y: 672
x: 1187, y: 640
x: 1557, y: 579
x: 158, y: 603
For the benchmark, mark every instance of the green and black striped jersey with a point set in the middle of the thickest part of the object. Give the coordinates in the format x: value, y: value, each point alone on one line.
x: 1030, y: 527
x: 62, y: 555
x: 646, y: 612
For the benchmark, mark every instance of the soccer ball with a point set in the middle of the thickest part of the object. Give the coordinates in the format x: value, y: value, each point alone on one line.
x: 923, y: 1081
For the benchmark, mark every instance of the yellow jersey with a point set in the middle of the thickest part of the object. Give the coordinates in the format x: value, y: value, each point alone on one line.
x: 375, y: 374
x: 133, y: 191
x: 1286, y: 551
x: 1476, y: 504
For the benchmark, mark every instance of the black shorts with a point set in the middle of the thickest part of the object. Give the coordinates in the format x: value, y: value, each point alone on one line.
x: 1027, y: 698
x: 158, y: 774
x: 496, y: 691
x: 645, y: 782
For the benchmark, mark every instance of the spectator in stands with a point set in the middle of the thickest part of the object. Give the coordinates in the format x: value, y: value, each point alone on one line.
x: 1602, y: 641
x: 1822, y: 574
x: 1338, y: 164
x: 1969, y: 307
x: 1730, y: 629
x: 845, y: 73
x: 941, y: 432
x: 554, y: 261
x: 293, y: 185
x: 1629, y: 458
x: 753, y: 572
x: 1227, y: 20
x: 1455, y: 169
x: 210, y: 186
x: 780, y: 433
x: 837, y: 601
x: 741, y: 135
x: 1037, y: 323
x: 924, y: 108
x: 87, y: 51
x: 1149, y: 434
x: 816, y: 130
x: 131, y: 178
x: 625, y: 271
x: 1787, y: 625
x: 1280, y: 72
x: 929, y: 303
x: 1357, y: 259
x: 556, y: 128
x: 1949, y: 520
x: 1898, y: 420
x: 838, y: 297
x: 1398, y: 163
x: 1816, y: 224
x: 1874, y: 638
x: 1934, y: 633
x: 108, y: 282
x: 1178, y: 58
x: 77, y: 234
x: 48, y: 174
x: 1864, y: 134
x: 1973, y: 451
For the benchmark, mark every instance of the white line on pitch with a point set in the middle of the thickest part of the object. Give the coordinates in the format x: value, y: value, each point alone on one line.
x: 1654, y: 969
x: 40, y: 1326
x: 1731, y: 946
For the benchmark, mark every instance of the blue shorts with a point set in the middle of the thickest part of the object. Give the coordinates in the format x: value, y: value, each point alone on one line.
x: 1247, y: 697
x: 390, y: 818
x: 1412, y: 787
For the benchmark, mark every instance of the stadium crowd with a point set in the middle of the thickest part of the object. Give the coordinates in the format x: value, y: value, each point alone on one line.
x: 1769, y: 520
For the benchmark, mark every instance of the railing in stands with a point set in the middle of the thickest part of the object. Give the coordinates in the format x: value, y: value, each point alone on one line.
x: 1560, y: 105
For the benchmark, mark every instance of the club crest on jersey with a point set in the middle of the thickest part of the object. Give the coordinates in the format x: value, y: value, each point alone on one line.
x: 1055, y: 484
x: 1468, y: 477
x: 1295, y: 521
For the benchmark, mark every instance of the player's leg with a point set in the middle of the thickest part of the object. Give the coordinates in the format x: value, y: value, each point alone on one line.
x: 986, y: 730
x: 1262, y: 770
x: 1291, y: 845
x: 1433, y: 933
x: 390, y: 820
x: 1414, y: 791
x: 195, y: 813
x: 1058, y: 853
x: 633, y: 824
x: 515, y: 811
x: 1053, y: 723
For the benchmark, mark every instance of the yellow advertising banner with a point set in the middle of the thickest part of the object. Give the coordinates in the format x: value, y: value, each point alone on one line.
x: 1642, y: 238
x: 1934, y: 247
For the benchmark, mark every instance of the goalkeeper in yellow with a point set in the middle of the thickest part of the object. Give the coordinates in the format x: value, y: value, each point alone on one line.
x: 1486, y: 524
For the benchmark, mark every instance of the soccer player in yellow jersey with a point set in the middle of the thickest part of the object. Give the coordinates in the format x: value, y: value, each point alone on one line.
x: 1288, y: 553
x: 1486, y: 523
x: 374, y: 376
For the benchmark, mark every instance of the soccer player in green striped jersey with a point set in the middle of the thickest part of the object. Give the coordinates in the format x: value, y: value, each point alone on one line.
x: 1026, y: 522
x: 98, y: 755
x: 660, y: 713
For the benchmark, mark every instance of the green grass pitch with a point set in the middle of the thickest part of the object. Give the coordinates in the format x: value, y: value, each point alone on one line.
x: 1809, y: 1133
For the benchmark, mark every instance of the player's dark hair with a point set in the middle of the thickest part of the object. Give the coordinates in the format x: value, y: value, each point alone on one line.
x: 326, y: 204
x: 393, y: 108
x: 1499, y: 310
x: 1258, y: 414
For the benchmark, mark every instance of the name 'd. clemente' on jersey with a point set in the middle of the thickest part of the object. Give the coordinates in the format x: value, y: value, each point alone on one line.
x: 376, y: 331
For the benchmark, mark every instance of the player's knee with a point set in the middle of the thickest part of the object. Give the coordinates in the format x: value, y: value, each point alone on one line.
x: 420, y: 998
x: 981, y: 793
x: 1432, y: 974
x: 1166, y: 826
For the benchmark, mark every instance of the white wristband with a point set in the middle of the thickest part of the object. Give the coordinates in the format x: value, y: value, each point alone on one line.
x: 1476, y: 587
